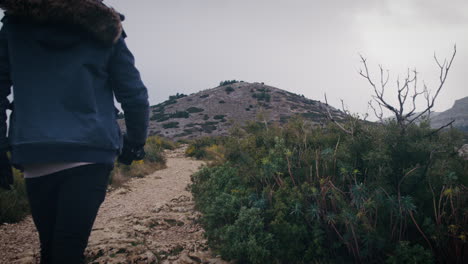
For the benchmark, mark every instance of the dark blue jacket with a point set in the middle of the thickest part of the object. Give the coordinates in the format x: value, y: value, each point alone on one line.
x: 64, y: 81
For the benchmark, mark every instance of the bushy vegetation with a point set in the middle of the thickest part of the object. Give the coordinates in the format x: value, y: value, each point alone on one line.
x: 172, y: 100
x: 217, y: 117
x: 227, y: 82
x: 171, y: 125
x: 195, y: 110
x: 229, y: 89
x: 262, y: 95
x: 14, y: 204
x: 180, y: 114
x: 198, y: 147
x: 161, y: 116
x: 303, y: 194
x: 177, y: 96
x: 154, y: 160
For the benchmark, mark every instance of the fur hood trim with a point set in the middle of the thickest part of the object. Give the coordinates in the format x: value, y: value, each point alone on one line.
x: 101, y: 21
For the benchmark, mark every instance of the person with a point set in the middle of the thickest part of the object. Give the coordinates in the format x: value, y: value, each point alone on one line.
x: 64, y: 61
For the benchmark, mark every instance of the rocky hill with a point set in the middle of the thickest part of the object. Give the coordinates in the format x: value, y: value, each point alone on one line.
x: 459, y: 113
x: 214, y: 111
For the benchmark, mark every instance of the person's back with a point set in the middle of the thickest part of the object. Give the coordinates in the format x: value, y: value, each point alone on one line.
x: 65, y: 61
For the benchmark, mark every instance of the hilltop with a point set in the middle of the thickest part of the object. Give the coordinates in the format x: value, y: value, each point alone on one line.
x: 214, y: 111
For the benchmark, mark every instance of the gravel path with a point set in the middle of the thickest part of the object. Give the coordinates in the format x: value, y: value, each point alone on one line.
x: 149, y: 220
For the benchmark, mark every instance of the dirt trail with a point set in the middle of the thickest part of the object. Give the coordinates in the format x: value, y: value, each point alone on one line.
x: 150, y: 220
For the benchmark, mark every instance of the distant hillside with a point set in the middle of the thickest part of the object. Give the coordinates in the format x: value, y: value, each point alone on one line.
x: 459, y: 113
x: 214, y: 111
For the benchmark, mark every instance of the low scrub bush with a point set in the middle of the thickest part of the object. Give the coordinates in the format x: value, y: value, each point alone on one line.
x: 303, y: 194
x: 229, y: 89
x: 227, y: 82
x: 180, y: 114
x: 14, y: 204
x: 201, y: 147
x: 154, y: 160
x: 171, y: 125
x: 217, y: 117
x: 195, y: 110
x: 262, y: 96
x: 177, y: 96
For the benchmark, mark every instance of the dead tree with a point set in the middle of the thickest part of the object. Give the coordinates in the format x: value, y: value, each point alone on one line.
x: 348, y: 129
x: 407, y: 92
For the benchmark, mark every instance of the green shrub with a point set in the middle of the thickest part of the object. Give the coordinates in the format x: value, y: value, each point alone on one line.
x: 197, y: 148
x: 14, y: 205
x: 405, y: 253
x: 180, y: 114
x: 171, y: 125
x: 154, y: 155
x: 229, y: 89
x: 155, y: 147
x: 263, y: 95
x: 217, y: 117
x: 247, y: 239
x: 157, y: 108
x: 222, y: 83
x: 189, y: 131
x: 177, y: 96
x: 169, y: 102
x: 313, y: 115
x: 154, y: 160
x: 160, y: 117
x: 195, y: 110
x: 317, y: 194
x: 208, y: 128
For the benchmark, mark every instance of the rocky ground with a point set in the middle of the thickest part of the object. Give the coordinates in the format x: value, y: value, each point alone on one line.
x: 149, y: 220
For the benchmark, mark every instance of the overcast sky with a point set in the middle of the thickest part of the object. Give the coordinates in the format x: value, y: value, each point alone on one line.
x: 307, y: 47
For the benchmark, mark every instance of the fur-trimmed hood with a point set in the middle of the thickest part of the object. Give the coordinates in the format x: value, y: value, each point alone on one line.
x: 101, y: 21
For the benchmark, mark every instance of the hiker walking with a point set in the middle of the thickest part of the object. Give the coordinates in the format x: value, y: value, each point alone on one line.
x: 63, y: 61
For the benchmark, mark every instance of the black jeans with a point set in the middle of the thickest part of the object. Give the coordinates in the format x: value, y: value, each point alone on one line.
x: 64, y: 206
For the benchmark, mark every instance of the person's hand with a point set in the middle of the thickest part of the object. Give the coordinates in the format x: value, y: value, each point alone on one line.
x: 131, y: 152
x: 6, y: 172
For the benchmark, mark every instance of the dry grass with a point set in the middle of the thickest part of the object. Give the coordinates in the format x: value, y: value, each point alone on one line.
x: 123, y: 173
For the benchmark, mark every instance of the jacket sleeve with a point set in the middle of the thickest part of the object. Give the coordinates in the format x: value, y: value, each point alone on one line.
x: 5, y: 89
x: 130, y: 92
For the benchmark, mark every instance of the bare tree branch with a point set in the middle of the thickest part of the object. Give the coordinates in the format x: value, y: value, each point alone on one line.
x: 379, y: 114
x: 379, y: 95
x: 330, y: 117
x: 440, y: 128
x: 407, y: 91
x: 444, y: 70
